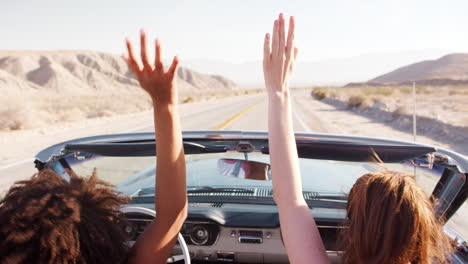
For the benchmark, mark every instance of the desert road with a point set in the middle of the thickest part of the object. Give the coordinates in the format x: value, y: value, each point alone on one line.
x: 247, y: 112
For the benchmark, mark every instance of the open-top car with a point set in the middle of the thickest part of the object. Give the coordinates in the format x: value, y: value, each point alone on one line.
x: 232, y: 216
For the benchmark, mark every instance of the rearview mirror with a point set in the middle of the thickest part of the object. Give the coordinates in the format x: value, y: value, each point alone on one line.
x: 244, y: 169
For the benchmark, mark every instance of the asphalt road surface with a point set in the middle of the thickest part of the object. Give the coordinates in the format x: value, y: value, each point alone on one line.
x: 235, y: 113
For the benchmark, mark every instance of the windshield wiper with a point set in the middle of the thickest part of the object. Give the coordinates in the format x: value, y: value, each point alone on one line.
x: 208, y: 189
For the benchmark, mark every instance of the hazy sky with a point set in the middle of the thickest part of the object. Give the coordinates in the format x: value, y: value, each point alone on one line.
x: 233, y: 31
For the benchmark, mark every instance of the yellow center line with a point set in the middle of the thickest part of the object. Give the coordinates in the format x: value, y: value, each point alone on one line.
x: 236, y: 116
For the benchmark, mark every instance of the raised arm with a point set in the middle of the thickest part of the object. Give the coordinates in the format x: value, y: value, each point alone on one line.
x: 301, y: 237
x: 156, y: 243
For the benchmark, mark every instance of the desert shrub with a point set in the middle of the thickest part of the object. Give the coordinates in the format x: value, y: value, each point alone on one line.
x: 17, y: 118
x: 379, y: 90
x: 423, y: 90
x: 366, y: 104
x: 70, y: 114
x: 453, y: 92
x: 377, y: 99
x: 99, y: 113
x: 419, y: 89
x: 465, y: 121
x: 319, y: 93
x: 257, y: 91
x: 188, y: 99
x: 356, y: 100
x: 401, y: 111
x: 10, y: 120
x: 406, y: 89
x: 385, y: 91
x: 333, y: 94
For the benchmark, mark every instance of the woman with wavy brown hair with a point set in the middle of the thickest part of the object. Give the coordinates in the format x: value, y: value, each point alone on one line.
x: 390, y: 219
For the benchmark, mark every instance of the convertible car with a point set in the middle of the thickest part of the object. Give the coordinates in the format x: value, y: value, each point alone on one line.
x: 232, y: 216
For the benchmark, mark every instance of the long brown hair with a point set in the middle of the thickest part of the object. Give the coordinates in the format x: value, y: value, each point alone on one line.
x: 48, y: 220
x: 391, y: 220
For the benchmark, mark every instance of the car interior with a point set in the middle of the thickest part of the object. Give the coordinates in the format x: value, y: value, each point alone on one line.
x: 232, y: 216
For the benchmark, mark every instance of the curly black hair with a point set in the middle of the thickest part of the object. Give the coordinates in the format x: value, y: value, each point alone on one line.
x: 48, y: 219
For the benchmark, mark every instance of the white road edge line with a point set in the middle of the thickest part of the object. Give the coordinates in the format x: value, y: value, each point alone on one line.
x: 16, y: 163
x: 301, y: 121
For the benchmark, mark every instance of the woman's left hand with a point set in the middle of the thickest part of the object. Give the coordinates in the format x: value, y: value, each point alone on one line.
x: 158, y: 83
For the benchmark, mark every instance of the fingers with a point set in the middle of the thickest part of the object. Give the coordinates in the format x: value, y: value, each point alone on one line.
x: 174, y: 66
x: 144, y: 51
x: 293, y: 62
x: 158, y: 59
x: 129, y: 63
x: 281, y: 37
x: 279, y: 59
x: 289, y: 49
x: 266, y: 48
x: 275, y: 43
x: 131, y: 60
x: 290, y: 43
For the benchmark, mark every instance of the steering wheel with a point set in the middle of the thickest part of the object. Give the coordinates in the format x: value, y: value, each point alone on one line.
x: 185, y: 252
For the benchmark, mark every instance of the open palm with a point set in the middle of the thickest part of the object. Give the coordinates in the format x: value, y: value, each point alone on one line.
x: 158, y: 83
x: 279, y: 60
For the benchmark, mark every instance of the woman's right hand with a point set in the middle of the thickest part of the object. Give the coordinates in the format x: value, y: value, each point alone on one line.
x: 155, y: 244
x: 278, y: 63
x: 158, y: 83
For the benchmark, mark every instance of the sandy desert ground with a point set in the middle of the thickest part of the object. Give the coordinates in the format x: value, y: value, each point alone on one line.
x: 442, y: 112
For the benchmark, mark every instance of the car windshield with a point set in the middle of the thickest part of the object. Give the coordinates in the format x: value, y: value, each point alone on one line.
x: 134, y: 176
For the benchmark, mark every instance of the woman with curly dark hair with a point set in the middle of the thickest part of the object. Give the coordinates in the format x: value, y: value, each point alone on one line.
x: 49, y: 220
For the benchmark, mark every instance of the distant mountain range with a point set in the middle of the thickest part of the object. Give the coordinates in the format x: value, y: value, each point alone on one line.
x: 72, y: 70
x: 450, y: 67
x: 87, y: 70
x: 335, y: 71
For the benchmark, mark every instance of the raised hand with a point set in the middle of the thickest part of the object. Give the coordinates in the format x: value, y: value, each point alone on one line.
x: 158, y: 83
x: 157, y: 241
x: 300, y: 234
x: 278, y: 62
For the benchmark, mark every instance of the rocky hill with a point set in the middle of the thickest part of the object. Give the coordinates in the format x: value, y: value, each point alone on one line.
x: 449, y: 69
x: 69, y: 71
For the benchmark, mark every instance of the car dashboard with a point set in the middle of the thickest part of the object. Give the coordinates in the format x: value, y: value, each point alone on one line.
x: 240, y: 233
